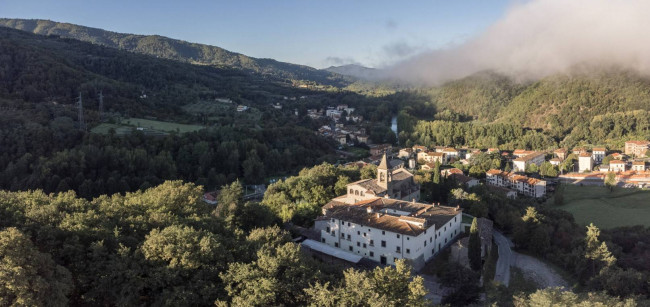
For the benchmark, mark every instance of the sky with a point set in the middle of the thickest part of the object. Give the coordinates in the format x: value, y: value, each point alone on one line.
x: 374, y: 33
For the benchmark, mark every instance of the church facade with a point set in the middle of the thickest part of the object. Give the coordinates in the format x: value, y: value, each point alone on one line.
x: 395, y: 184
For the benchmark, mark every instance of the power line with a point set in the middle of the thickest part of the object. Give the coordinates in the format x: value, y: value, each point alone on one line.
x: 101, y: 106
x: 82, y: 123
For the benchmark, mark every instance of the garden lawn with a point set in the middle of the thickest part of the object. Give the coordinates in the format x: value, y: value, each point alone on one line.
x: 621, y: 207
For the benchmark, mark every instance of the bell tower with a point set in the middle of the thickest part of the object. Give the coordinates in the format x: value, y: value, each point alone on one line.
x: 384, y: 176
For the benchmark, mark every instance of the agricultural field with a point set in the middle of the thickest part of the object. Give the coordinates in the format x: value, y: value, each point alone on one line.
x: 620, y: 207
x: 151, y: 127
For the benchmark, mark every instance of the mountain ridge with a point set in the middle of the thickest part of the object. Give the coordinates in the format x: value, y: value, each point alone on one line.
x: 179, y: 50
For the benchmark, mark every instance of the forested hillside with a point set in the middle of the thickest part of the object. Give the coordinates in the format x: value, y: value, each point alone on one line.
x: 601, y: 107
x: 42, y: 147
x: 178, y: 50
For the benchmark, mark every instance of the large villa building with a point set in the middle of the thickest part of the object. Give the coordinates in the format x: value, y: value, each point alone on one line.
x: 385, y: 229
x: 381, y: 220
x: 637, y: 148
x: 392, y: 183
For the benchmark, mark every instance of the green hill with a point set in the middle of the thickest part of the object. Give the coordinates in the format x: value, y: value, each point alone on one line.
x: 178, y: 50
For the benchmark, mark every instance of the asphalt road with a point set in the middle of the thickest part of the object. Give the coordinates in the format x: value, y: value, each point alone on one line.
x: 502, y: 273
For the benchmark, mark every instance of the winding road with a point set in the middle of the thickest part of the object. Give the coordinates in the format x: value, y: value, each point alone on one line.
x: 505, y: 260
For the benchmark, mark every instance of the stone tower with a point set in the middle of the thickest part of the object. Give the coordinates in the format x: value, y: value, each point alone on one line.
x: 384, y: 177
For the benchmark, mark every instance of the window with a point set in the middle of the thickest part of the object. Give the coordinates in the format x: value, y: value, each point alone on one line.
x: 358, y: 243
x: 372, y: 242
x: 430, y: 239
x: 350, y: 248
x: 408, y: 250
x: 398, y: 249
x: 351, y: 191
x: 408, y: 238
x: 369, y: 230
x: 383, y: 243
x: 358, y: 233
x: 333, y: 233
x: 425, y: 231
x: 364, y: 245
x: 327, y: 229
x: 398, y: 235
x: 445, y: 240
x: 348, y: 224
x: 455, y: 217
x: 425, y: 243
x: 433, y: 250
x: 333, y: 220
x: 323, y: 239
x: 364, y: 234
x: 356, y: 192
x: 445, y: 228
x: 336, y: 244
x: 349, y: 237
x: 342, y: 235
x: 383, y: 232
x: 361, y: 193
x: 372, y: 254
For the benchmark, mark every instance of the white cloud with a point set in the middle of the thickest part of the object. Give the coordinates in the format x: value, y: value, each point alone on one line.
x: 543, y: 37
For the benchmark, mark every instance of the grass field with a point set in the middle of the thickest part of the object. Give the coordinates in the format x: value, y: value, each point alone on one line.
x: 153, y: 127
x: 161, y: 126
x: 621, y: 207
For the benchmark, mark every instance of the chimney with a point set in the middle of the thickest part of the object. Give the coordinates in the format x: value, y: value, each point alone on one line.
x: 457, y: 208
x: 413, y: 200
x: 369, y: 209
x: 378, y: 215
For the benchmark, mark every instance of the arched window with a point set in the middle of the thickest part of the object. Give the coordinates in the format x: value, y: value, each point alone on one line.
x: 356, y: 192
x: 351, y: 191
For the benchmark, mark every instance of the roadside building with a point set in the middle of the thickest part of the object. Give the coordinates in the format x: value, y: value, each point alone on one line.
x: 637, y: 148
x: 585, y: 162
x: 616, y: 166
x: 638, y: 166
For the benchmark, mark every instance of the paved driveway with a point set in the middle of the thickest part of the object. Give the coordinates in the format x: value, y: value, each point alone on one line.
x: 505, y: 260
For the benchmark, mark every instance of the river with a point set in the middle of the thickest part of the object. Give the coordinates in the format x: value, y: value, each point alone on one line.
x: 393, y: 126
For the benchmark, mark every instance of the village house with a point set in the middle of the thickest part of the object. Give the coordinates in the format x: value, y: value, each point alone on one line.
x: 638, y: 166
x: 493, y: 150
x: 241, y: 108
x: 555, y: 161
x: 616, y: 166
x: 449, y: 171
x: 520, y: 164
x: 524, y: 185
x: 585, y: 162
x: 451, y: 153
x: 560, y: 153
x: 637, y: 148
x: 467, y: 181
x: 379, y: 149
x: 405, y: 153
x: 520, y: 153
x: 578, y: 150
x: 598, y: 154
x: 432, y: 157
x: 385, y: 230
x: 419, y: 148
x: 471, y: 153
x: 396, y: 184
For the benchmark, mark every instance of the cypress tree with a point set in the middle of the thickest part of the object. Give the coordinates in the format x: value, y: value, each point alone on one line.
x: 474, y: 249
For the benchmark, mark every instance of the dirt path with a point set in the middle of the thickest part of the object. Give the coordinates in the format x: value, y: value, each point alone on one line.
x: 543, y: 274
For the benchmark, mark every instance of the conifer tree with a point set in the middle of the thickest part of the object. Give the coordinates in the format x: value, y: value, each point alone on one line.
x: 474, y: 249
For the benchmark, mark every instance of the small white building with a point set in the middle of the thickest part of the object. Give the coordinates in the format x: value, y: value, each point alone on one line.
x: 524, y: 185
x: 585, y: 162
x: 638, y: 166
x: 616, y: 166
x: 555, y: 161
x: 598, y: 154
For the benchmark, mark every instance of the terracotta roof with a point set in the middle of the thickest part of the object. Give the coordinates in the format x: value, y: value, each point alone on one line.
x: 436, y: 154
x: 461, y: 178
x: 585, y: 154
x: 599, y: 149
x: 530, y: 156
x: 495, y: 172
x: 638, y: 142
x: 373, y: 213
x: 560, y: 150
x: 453, y: 171
x: 449, y: 149
x: 616, y: 162
x: 638, y: 163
